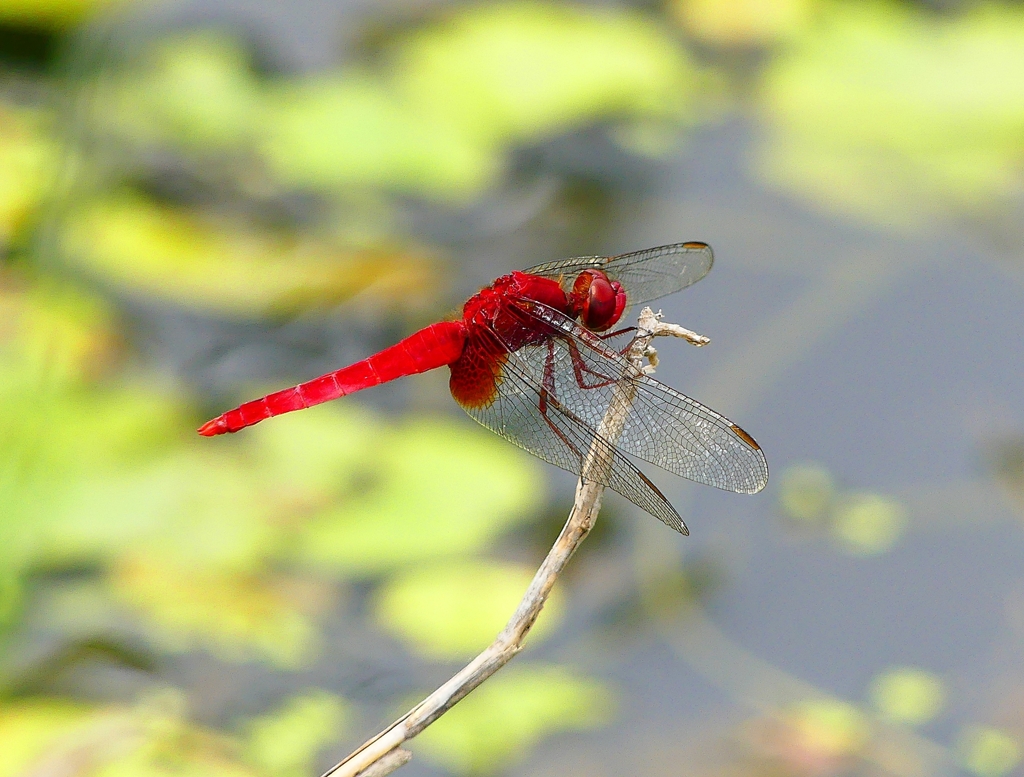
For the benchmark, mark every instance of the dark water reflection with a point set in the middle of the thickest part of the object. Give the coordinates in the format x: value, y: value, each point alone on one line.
x: 893, y: 362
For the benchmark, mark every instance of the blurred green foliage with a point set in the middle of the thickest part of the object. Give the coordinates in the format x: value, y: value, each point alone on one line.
x: 988, y: 752
x: 864, y: 523
x: 192, y: 176
x: 806, y: 492
x: 437, y: 117
x: 196, y: 90
x: 455, y: 610
x: 231, y: 267
x: 28, y: 159
x: 908, y: 695
x: 504, y: 718
x: 896, y: 114
x: 869, y: 523
x: 830, y: 728
x: 458, y: 95
x: 464, y: 488
x: 152, y: 739
x: 743, y: 23
x: 56, y: 14
x: 285, y: 742
x: 28, y: 729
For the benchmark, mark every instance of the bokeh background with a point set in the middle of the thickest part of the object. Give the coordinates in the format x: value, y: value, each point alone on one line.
x: 201, y: 201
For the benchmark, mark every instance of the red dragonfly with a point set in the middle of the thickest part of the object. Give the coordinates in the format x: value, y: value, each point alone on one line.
x: 532, y: 360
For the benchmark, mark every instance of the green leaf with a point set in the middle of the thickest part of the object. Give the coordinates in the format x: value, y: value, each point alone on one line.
x: 895, y: 114
x: 868, y: 524
x: 228, y: 267
x: 236, y: 616
x: 321, y: 450
x: 908, y: 695
x: 52, y: 14
x: 29, y: 729
x: 285, y: 743
x: 508, y: 715
x: 192, y: 508
x: 806, y: 492
x: 988, y: 752
x: 351, y: 130
x: 459, y: 94
x: 155, y: 739
x: 53, y: 333
x: 195, y: 91
x: 513, y: 72
x: 456, y: 609
x: 60, y: 446
x: 743, y: 23
x: 436, y: 489
x: 28, y: 157
x: 828, y: 729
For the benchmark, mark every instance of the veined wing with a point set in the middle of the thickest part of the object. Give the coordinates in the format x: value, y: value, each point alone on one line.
x: 645, y: 275
x: 665, y: 427
x: 555, y: 434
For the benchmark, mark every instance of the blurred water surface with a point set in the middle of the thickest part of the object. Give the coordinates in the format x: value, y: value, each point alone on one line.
x: 203, y: 201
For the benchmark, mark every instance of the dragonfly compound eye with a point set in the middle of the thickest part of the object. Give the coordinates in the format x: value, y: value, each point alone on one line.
x: 600, y: 301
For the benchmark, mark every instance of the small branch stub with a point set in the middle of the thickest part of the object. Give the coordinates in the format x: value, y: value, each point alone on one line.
x: 382, y: 754
x: 387, y: 763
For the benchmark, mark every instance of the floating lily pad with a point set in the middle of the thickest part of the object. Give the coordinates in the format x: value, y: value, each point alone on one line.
x: 500, y: 73
x: 895, y: 114
x: 743, y: 23
x: 433, y: 489
x: 868, y: 524
x: 352, y: 130
x: 54, y: 14
x: 829, y: 728
x: 54, y: 331
x: 503, y: 719
x: 285, y: 742
x: 30, y: 728
x: 60, y: 447
x: 461, y: 93
x: 28, y: 158
x: 988, y: 752
x: 236, y: 616
x: 320, y: 451
x: 157, y: 739
x: 229, y: 268
x: 456, y: 609
x: 192, y: 508
x: 908, y: 695
x: 152, y: 739
x: 806, y: 492
x: 196, y: 91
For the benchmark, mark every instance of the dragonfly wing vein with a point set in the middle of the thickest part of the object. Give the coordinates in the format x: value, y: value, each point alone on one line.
x: 558, y: 435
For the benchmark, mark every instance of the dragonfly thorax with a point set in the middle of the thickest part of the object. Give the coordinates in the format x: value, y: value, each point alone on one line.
x: 484, y: 307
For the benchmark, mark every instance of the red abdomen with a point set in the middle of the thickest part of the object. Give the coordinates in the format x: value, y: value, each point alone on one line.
x: 427, y: 349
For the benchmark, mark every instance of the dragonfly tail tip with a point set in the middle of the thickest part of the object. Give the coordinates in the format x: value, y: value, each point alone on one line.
x: 213, y: 428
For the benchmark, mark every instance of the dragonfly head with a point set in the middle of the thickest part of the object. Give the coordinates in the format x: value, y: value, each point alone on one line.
x: 597, y: 300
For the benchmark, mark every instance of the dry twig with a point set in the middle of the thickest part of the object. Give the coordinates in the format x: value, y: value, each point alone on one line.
x: 381, y: 755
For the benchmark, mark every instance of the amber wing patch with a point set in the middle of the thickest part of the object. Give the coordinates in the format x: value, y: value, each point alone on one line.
x: 476, y: 376
x: 745, y: 437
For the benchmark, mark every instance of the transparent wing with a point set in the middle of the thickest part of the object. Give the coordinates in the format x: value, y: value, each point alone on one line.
x: 554, y: 433
x: 645, y: 275
x: 665, y: 427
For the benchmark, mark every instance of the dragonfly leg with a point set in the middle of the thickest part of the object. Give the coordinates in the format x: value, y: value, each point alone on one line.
x: 609, y: 335
x: 616, y: 333
x: 580, y: 369
x: 547, y: 395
